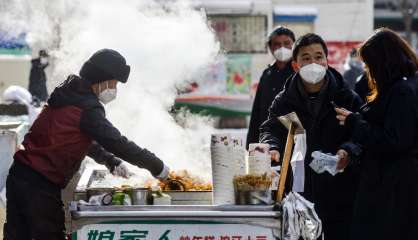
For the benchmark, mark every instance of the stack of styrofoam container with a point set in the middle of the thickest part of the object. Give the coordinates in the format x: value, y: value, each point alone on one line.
x: 238, y: 151
x: 259, y: 159
x: 223, y: 168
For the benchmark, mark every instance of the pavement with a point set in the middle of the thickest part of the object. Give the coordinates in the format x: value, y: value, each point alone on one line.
x: 2, y: 220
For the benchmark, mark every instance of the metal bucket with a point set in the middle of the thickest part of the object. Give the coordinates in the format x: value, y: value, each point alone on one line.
x: 253, y: 197
x: 141, y: 196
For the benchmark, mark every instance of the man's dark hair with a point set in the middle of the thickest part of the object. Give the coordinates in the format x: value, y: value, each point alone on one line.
x: 280, y: 30
x: 43, y: 53
x: 354, y: 52
x: 306, y: 40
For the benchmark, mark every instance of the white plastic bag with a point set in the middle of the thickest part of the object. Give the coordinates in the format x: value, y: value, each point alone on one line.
x: 298, y: 163
x: 22, y: 96
x: 275, y: 177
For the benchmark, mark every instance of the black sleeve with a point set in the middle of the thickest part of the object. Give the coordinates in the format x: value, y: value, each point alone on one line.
x: 101, y: 156
x: 272, y: 130
x: 357, y: 103
x: 43, y: 66
x: 399, y: 130
x: 362, y: 87
x: 354, y: 151
x: 94, y: 123
x: 255, y: 121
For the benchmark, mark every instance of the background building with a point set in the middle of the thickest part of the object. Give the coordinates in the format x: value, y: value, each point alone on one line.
x: 388, y: 13
x: 342, y: 24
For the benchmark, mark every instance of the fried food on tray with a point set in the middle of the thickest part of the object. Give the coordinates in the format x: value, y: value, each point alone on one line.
x: 183, y: 181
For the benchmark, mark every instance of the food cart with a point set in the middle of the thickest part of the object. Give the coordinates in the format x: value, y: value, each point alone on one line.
x: 195, y: 219
x: 194, y: 213
x: 176, y: 222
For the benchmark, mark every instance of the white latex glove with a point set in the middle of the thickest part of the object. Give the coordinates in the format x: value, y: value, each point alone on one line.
x: 122, y: 171
x: 164, y: 173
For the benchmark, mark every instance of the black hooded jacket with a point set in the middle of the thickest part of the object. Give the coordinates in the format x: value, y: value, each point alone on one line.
x: 333, y: 196
x: 271, y: 83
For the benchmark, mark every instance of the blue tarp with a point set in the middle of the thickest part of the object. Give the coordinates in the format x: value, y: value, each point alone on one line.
x: 12, y: 42
x: 293, y: 18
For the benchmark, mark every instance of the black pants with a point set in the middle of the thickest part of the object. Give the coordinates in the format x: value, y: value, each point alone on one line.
x: 34, y: 206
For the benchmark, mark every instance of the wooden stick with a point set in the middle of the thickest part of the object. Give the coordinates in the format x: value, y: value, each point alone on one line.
x: 285, y: 162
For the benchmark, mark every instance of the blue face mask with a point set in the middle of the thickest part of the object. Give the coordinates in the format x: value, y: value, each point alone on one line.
x: 356, y: 63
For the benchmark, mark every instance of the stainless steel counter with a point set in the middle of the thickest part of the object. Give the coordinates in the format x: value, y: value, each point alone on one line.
x: 227, y: 211
x: 262, y: 218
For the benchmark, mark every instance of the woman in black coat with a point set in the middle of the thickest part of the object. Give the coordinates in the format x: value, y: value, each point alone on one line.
x: 387, y: 131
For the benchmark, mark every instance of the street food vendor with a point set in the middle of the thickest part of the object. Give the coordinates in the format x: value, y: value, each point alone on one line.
x: 72, y: 125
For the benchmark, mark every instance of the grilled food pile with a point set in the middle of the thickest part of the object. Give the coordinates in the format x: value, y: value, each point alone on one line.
x: 184, y: 181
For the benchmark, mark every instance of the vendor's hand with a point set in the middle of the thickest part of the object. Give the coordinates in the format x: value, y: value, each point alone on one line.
x: 343, y: 162
x: 275, y: 155
x: 122, y: 171
x: 164, y: 173
x: 342, y: 115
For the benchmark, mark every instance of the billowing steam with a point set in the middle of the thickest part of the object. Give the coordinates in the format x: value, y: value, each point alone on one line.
x: 165, y: 42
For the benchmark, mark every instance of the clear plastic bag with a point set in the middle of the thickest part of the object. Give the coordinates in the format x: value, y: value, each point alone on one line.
x: 324, y: 162
x: 290, y: 224
x: 300, y: 219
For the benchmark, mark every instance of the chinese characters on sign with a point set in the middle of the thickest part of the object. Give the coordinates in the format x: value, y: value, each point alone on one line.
x: 124, y: 235
x: 241, y: 34
x: 142, y: 235
x: 223, y: 238
x: 129, y: 231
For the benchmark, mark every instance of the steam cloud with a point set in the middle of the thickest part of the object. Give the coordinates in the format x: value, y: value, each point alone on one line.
x: 165, y: 42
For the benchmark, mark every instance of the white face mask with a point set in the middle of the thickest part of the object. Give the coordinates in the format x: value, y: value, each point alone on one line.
x: 312, y: 73
x: 107, y: 95
x: 283, y: 54
x: 44, y: 60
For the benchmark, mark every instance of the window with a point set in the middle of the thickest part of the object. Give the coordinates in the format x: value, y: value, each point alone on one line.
x: 241, y: 33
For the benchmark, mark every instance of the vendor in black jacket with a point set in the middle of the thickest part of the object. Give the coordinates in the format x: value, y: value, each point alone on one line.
x: 280, y: 43
x: 309, y: 94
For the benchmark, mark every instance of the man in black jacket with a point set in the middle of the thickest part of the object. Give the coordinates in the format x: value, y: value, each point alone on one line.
x: 309, y: 94
x: 37, y: 77
x: 72, y: 125
x: 280, y: 43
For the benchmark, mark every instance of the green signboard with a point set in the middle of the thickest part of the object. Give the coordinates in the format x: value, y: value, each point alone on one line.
x: 172, y: 230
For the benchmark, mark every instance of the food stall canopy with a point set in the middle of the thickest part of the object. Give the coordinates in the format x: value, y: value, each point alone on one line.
x: 234, y: 6
x: 13, y: 44
x: 225, y: 6
x: 294, y: 13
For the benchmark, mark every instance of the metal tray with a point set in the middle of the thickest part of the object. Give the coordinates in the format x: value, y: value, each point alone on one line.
x: 177, y: 197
